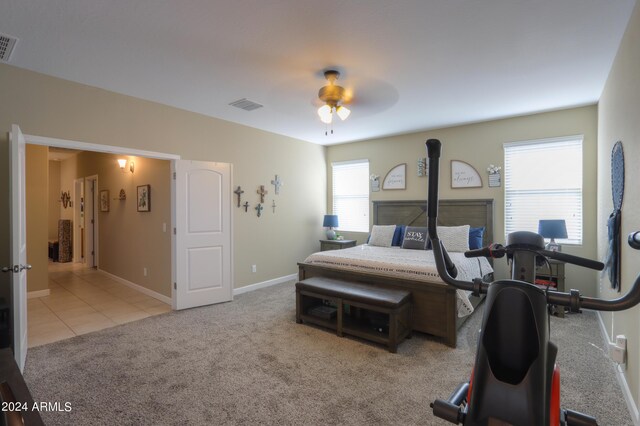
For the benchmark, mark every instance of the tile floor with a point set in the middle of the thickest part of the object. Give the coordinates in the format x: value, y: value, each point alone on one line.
x: 83, y: 300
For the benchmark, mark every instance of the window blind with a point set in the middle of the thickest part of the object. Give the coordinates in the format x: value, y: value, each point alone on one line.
x: 351, y: 195
x: 543, y: 180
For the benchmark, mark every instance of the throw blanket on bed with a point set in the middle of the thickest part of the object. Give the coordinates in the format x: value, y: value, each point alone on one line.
x: 402, y: 263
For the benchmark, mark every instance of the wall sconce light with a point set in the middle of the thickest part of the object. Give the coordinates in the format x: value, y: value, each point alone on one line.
x: 123, y: 163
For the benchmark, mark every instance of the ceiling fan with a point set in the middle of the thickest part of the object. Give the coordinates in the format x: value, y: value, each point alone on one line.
x: 333, y: 97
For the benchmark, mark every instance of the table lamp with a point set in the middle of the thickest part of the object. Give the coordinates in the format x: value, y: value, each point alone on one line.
x: 330, y: 221
x: 556, y: 228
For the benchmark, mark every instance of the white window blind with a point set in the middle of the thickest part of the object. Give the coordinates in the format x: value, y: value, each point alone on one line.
x: 543, y: 180
x: 351, y: 195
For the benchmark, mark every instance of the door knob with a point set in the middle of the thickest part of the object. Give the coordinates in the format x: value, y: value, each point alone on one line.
x: 16, y: 268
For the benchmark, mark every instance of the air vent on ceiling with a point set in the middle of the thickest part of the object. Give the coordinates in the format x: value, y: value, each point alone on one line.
x: 245, y: 104
x: 7, y: 44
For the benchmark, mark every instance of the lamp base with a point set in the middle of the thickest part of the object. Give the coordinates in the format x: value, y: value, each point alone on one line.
x: 331, y: 234
x: 553, y: 246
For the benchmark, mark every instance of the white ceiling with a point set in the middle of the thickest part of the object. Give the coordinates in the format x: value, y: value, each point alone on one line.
x: 412, y: 64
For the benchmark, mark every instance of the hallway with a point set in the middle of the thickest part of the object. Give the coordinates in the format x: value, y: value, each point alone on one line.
x: 84, y: 300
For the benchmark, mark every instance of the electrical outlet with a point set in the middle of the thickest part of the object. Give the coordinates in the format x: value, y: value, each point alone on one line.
x: 144, y: 271
x: 254, y: 268
x: 618, y: 350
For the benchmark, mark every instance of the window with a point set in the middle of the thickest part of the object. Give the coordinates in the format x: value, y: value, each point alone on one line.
x: 351, y: 195
x: 543, y: 180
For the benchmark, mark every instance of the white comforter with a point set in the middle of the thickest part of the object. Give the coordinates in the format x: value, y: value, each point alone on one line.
x: 403, y: 263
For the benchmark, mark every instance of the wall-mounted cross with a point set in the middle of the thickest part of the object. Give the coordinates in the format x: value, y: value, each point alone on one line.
x: 274, y: 206
x: 262, y: 193
x: 246, y: 206
x: 259, y: 209
x: 277, y: 183
x: 239, y: 193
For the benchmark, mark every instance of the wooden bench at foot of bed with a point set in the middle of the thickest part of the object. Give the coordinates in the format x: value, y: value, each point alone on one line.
x: 433, y: 305
x: 354, y: 306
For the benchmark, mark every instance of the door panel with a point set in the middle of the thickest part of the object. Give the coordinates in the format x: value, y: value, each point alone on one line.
x: 18, y: 245
x: 203, y: 233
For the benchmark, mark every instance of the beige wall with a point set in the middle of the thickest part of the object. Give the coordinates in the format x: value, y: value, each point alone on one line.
x: 37, y: 204
x: 48, y: 106
x: 129, y: 241
x: 618, y: 112
x: 54, y: 199
x: 480, y: 145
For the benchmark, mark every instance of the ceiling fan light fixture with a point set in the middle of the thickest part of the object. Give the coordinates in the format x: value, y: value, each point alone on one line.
x: 325, y: 113
x: 332, y: 95
x: 343, y: 112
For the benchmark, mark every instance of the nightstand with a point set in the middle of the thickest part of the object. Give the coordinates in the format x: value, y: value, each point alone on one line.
x: 326, y: 245
x: 557, y: 276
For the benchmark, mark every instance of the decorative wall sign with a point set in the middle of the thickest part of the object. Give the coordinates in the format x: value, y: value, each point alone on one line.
x: 104, y: 200
x: 144, y: 198
x: 463, y: 175
x: 375, y: 183
x: 262, y: 193
x: 423, y: 167
x: 494, y: 175
x: 277, y: 183
x: 239, y: 193
x: 395, y: 178
x: 259, y: 209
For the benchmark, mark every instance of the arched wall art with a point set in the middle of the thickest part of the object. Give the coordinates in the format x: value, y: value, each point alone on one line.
x: 396, y: 177
x: 463, y: 175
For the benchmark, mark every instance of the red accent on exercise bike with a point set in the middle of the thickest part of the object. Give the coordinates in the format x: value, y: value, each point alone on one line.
x: 554, y: 408
x: 470, y: 386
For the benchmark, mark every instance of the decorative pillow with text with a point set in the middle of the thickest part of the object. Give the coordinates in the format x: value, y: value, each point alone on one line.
x: 415, y: 238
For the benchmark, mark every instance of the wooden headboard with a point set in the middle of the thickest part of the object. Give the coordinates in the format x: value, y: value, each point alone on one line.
x: 476, y: 213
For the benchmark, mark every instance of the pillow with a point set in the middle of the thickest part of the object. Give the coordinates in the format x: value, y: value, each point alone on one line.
x: 454, y: 238
x: 398, y: 236
x: 382, y: 236
x: 415, y: 237
x: 475, y: 238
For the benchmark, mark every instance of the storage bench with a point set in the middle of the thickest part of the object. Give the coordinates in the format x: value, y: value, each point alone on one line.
x: 377, y: 314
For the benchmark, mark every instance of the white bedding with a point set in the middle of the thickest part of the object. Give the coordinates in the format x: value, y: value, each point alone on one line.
x: 403, y: 263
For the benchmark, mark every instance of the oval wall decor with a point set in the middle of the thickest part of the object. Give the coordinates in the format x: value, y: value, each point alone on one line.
x: 463, y: 175
x: 396, y: 177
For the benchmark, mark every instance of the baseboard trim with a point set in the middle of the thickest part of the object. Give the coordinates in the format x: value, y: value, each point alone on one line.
x: 263, y: 284
x: 138, y: 287
x: 622, y: 380
x: 38, y: 293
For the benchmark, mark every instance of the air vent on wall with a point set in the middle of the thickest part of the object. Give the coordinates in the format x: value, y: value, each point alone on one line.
x: 245, y: 104
x: 7, y: 44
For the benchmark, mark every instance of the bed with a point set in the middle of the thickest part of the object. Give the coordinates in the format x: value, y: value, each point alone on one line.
x: 435, y: 305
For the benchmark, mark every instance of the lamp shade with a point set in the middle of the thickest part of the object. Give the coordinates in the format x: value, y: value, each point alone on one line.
x: 330, y: 221
x: 556, y: 228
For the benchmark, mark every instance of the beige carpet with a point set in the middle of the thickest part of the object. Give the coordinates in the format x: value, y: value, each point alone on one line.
x: 248, y: 362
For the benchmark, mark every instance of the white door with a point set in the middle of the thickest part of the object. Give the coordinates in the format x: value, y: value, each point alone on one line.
x: 18, y: 245
x: 203, y: 233
x: 78, y: 220
x: 90, y: 189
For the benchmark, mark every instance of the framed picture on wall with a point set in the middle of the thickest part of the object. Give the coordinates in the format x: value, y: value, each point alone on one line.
x: 144, y: 198
x: 104, y: 200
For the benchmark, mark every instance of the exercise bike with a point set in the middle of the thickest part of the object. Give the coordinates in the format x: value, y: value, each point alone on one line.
x: 514, y: 380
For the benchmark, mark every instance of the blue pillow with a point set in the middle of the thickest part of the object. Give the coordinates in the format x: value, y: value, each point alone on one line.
x: 398, y: 235
x: 475, y: 238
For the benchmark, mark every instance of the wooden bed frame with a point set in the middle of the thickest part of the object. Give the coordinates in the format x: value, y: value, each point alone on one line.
x: 434, y: 308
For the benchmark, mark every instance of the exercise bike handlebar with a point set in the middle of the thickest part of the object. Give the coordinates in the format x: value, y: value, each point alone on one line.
x: 447, y: 271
